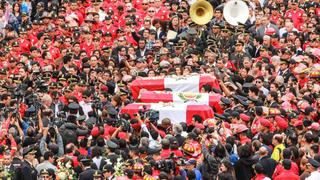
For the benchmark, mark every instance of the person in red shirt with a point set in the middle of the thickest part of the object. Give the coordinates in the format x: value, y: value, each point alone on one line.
x: 161, y: 11
x: 87, y: 45
x: 258, y: 169
x: 275, y: 15
x: 55, y: 49
x: 73, y: 10
x: 287, y: 173
x: 295, y: 13
x: 144, y: 8
x: 83, y: 146
x: 109, y: 26
x: 24, y: 42
x: 281, y: 169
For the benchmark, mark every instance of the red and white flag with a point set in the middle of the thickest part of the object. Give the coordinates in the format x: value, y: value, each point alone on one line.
x: 211, y: 99
x: 175, y: 112
x: 176, y: 83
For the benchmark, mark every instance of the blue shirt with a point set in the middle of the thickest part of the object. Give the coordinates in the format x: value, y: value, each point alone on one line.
x: 196, y: 171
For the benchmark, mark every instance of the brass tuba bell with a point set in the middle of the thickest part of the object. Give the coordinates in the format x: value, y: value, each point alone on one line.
x: 201, y: 12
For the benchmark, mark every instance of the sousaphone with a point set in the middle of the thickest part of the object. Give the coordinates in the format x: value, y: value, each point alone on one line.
x: 201, y: 12
x: 236, y: 12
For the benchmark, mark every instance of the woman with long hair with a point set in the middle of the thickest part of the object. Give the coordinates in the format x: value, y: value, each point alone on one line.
x: 17, y: 12
x: 226, y: 171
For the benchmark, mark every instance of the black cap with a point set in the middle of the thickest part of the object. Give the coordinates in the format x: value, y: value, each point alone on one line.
x: 3, y: 71
x: 111, y: 144
x: 225, y: 101
x: 62, y: 78
x: 85, y: 161
x: 313, y: 162
x: 73, y: 106
x: 216, y: 25
x: 72, y: 79
x: 239, y: 42
x: 82, y: 82
x: 44, y: 171
x: 191, y: 162
x: 192, y: 135
x: 108, y: 168
x: 219, y: 116
x: 235, y: 114
x: 285, y: 61
x: 106, y: 49
x: 153, y: 151
x: 28, y: 150
x: 108, y: 18
x: 142, y: 60
x: 251, y: 99
x: 123, y: 92
x: 15, y: 44
x: 97, y: 173
x: 108, y: 34
x: 81, y: 118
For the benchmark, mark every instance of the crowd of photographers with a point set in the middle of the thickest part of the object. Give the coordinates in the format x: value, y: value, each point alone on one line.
x: 65, y: 73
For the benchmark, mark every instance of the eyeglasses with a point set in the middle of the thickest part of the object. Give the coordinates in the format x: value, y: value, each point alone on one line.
x: 67, y: 41
x: 259, y: 82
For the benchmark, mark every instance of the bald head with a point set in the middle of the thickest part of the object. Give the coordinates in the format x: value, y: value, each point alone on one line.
x: 263, y: 151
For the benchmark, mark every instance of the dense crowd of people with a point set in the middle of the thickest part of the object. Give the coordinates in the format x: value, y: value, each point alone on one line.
x: 67, y: 67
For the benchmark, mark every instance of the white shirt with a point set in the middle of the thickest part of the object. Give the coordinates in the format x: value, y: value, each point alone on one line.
x: 283, y: 30
x: 314, y: 176
x: 86, y: 107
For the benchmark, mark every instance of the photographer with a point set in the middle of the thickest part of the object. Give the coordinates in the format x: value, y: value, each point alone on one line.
x: 153, y: 143
x: 52, y: 141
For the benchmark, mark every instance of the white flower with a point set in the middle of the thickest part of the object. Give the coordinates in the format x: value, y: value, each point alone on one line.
x: 109, y: 162
x: 68, y: 165
x: 62, y: 175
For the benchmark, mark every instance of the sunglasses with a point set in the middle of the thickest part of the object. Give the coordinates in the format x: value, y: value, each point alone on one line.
x: 144, y: 4
x: 150, y: 11
x: 259, y: 82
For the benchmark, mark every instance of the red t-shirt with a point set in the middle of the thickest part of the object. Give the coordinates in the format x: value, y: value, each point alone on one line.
x: 296, y: 16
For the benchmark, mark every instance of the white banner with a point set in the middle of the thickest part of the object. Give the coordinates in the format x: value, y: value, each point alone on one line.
x: 175, y: 112
x: 182, y: 84
x: 191, y: 98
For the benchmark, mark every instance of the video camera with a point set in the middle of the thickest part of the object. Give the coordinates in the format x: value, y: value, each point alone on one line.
x: 151, y: 114
x: 122, y: 122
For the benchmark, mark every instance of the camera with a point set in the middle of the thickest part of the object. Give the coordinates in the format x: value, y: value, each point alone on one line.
x: 151, y: 114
